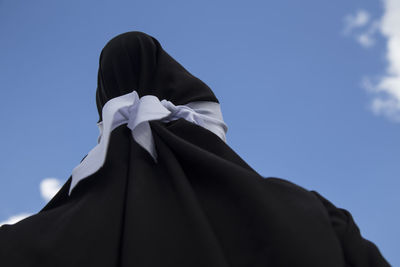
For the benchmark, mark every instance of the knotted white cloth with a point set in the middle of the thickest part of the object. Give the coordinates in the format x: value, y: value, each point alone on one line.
x: 136, y: 113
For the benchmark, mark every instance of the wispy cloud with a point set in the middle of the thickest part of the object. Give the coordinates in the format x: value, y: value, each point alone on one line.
x: 354, y: 21
x: 361, y: 27
x: 15, y: 218
x: 385, y: 89
x: 48, y: 188
x: 367, y: 37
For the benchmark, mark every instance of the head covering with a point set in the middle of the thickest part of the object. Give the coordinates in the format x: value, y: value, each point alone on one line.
x: 199, y: 205
x: 135, y: 61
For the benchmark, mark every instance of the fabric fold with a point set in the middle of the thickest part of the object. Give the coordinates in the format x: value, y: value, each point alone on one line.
x: 136, y: 112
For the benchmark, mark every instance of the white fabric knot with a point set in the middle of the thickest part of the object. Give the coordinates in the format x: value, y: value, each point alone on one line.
x: 136, y: 113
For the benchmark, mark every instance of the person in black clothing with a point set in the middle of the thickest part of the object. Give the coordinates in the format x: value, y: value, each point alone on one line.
x: 193, y: 202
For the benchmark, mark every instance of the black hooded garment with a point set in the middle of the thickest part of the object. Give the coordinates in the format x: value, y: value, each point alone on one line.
x: 200, y: 204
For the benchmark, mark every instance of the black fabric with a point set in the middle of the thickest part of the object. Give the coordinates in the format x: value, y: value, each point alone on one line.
x: 200, y: 205
x: 136, y: 61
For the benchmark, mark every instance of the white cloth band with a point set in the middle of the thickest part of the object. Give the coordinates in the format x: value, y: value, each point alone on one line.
x: 136, y: 113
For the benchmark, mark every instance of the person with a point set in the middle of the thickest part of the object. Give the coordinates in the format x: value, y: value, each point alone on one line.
x: 163, y: 188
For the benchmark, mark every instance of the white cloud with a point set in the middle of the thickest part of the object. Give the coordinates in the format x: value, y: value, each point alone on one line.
x: 367, y: 38
x: 361, y: 28
x: 15, y: 218
x: 360, y: 19
x: 386, y: 90
x: 49, y: 187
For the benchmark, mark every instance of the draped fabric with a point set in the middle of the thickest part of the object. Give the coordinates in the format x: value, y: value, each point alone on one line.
x: 136, y: 113
x: 199, y: 205
x: 136, y: 61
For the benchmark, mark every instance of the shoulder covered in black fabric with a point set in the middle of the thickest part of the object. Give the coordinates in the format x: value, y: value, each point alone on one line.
x: 358, y: 251
x: 288, y: 184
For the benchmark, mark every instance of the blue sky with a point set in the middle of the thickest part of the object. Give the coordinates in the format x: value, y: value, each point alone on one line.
x: 310, y: 91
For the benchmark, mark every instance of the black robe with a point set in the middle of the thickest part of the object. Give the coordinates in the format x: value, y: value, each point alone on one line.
x: 199, y: 205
